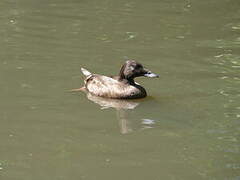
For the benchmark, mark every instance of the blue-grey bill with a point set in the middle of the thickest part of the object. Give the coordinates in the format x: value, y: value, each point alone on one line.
x: 152, y: 75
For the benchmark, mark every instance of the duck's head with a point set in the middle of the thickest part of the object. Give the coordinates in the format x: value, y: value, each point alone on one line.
x: 132, y: 69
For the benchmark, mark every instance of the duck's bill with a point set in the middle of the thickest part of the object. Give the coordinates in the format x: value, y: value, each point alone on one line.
x: 151, y: 75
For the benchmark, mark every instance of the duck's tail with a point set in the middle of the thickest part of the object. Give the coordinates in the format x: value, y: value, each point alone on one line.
x: 85, y: 72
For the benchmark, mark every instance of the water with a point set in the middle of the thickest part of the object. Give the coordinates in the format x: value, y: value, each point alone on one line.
x: 188, y: 126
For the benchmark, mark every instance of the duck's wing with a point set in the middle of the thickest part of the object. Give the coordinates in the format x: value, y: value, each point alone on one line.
x: 105, y: 86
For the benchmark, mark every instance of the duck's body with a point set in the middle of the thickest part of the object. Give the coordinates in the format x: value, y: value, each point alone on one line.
x: 119, y: 87
x: 105, y: 86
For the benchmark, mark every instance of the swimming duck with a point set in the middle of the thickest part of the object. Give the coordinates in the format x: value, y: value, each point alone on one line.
x: 122, y: 86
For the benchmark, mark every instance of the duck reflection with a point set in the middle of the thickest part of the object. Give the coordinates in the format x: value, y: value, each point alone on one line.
x: 121, y: 107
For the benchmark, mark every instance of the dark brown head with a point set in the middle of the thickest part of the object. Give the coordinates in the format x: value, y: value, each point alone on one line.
x: 132, y: 69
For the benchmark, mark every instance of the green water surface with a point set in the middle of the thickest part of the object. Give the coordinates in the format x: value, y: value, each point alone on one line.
x: 188, y: 128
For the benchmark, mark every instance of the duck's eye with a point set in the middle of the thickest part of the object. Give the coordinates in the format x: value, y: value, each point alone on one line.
x: 138, y: 66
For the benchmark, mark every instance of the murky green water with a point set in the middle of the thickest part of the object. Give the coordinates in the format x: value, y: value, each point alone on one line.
x: 189, y: 126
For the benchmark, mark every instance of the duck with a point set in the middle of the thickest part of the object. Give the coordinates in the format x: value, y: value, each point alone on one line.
x: 121, y: 86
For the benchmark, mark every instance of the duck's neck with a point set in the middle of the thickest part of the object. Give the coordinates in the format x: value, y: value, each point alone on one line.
x: 126, y: 80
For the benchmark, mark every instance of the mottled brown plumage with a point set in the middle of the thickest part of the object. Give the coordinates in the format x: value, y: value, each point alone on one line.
x: 122, y: 86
